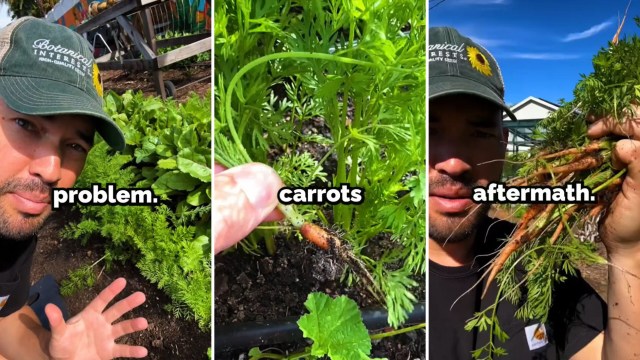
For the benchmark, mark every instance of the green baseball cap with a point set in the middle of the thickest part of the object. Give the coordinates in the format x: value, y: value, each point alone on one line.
x: 47, y: 69
x: 458, y: 65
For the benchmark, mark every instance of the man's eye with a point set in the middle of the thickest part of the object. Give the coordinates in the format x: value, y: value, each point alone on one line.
x: 27, y: 125
x: 79, y: 148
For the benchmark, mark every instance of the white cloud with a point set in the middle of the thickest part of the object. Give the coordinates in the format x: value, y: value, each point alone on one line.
x: 5, y: 17
x: 540, y: 56
x: 589, y: 32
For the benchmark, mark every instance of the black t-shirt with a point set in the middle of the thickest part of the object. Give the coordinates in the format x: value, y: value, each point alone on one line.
x: 15, y: 268
x: 577, y: 314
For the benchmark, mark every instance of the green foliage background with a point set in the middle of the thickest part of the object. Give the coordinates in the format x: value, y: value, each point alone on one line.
x: 168, y: 150
x: 361, y: 66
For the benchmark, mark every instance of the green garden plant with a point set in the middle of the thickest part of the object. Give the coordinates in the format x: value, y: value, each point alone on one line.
x: 360, y: 67
x: 169, y: 151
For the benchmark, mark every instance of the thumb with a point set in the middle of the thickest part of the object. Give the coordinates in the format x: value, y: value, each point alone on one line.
x: 56, y: 321
x: 243, y: 197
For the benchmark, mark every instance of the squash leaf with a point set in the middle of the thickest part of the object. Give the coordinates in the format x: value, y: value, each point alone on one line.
x: 336, y: 328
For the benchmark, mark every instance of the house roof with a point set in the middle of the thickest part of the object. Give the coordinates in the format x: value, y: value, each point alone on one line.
x: 532, y: 108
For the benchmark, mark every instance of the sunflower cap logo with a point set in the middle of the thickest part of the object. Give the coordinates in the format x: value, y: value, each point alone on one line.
x: 478, y: 61
x: 97, y: 79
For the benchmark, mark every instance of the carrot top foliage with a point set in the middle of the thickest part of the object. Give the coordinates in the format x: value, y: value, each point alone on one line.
x: 359, y: 66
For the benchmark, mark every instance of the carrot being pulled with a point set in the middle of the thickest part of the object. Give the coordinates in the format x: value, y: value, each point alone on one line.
x: 327, y: 241
x: 319, y: 236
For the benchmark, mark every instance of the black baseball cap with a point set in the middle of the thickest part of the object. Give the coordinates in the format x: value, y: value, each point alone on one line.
x: 458, y: 65
x: 47, y: 69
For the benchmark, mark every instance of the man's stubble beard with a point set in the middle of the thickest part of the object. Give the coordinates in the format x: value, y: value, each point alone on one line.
x: 457, y: 228
x: 20, y: 227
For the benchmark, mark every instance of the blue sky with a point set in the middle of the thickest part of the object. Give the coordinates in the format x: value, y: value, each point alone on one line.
x: 541, y: 46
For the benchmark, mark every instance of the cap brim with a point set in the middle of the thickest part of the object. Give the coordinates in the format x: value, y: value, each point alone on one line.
x: 44, y: 97
x: 448, y: 85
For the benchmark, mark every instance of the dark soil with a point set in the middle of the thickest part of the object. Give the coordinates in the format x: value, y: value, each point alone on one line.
x: 260, y: 288
x: 167, y: 336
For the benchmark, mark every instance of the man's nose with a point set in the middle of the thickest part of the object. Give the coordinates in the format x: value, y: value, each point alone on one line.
x: 47, y: 166
x: 449, y: 155
x: 453, y: 166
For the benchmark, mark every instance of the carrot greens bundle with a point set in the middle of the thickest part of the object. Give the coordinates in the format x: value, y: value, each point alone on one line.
x: 551, y: 241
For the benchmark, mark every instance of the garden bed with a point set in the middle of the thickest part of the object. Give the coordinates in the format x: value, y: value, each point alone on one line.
x: 167, y: 337
x: 261, y: 288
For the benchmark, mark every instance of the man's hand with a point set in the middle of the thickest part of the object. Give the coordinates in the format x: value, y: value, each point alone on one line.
x: 243, y: 197
x: 621, y: 228
x: 91, y: 334
x: 620, y: 233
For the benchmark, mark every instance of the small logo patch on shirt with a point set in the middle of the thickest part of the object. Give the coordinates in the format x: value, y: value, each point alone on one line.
x: 3, y: 301
x: 536, y: 336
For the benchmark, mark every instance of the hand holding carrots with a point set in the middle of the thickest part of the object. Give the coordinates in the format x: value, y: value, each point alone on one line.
x: 243, y: 197
x: 621, y: 229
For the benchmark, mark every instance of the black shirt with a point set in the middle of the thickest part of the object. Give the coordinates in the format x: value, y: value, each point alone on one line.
x: 577, y: 315
x: 15, y: 267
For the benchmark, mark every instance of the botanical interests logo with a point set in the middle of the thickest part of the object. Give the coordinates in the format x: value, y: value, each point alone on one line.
x: 61, y: 56
x: 460, y: 54
x: 450, y: 53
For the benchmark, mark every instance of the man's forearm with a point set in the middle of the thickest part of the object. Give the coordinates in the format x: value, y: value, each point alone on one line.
x: 25, y: 337
x: 623, y: 301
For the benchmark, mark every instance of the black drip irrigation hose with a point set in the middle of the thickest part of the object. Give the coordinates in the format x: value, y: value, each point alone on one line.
x: 260, y: 333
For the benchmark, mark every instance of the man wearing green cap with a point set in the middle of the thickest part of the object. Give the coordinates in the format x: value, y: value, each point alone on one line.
x: 50, y: 108
x: 466, y: 106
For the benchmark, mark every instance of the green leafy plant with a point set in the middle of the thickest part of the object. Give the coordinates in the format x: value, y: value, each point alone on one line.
x: 81, y: 278
x: 169, y: 151
x: 360, y: 67
x: 335, y: 326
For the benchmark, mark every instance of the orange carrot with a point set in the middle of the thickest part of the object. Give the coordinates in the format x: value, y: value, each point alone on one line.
x: 518, y: 239
x: 596, y: 210
x: 614, y: 41
x: 591, y: 147
x: 319, y: 236
x: 558, y: 231
x: 583, y: 163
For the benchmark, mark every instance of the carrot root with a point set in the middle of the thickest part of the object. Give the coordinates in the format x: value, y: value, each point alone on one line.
x: 591, y: 147
x: 319, y: 236
x: 517, y: 240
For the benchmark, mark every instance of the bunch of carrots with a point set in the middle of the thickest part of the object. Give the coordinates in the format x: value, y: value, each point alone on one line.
x: 550, y: 236
x: 548, y: 223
